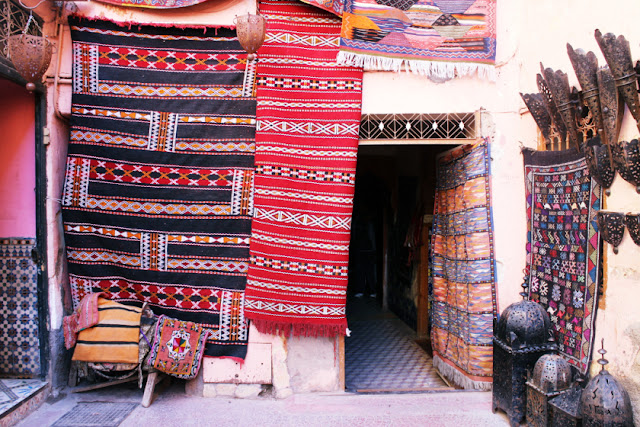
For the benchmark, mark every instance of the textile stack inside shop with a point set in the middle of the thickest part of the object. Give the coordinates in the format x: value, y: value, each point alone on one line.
x: 157, y: 199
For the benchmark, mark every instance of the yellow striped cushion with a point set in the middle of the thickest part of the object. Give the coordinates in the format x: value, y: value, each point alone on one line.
x: 114, y: 339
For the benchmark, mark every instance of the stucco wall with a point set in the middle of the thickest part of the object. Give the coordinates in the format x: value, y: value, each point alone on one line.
x: 528, y: 33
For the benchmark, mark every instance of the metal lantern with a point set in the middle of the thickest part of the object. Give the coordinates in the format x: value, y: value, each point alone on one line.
x: 551, y: 376
x: 558, y: 84
x: 252, y: 30
x: 604, y: 401
x: 536, y: 106
x: 521, y: 335
x: 617, y: 53
x: 586, y: 67
x: 598, y: 157
x: 632, y: 221
x: 31, y: 56
x: 626, y: 159
x: 611, y: 226
x: 612, y: 110
x: 565, y: 408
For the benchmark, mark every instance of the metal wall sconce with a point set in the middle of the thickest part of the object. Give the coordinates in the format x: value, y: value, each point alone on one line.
x: 252, y: 30
x: 626, y: 159
x: 632, y: 221
x: 599, y: 161
x: 611, y: 226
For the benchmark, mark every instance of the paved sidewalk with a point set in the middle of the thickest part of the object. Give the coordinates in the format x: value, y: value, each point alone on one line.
x: 174, y: 408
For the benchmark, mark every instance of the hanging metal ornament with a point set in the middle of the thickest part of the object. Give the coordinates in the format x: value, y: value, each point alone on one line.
x: 604, y: 401
x: 586, y: 67
x: 550, y: 104
x: 626, y: 160
x: 598, y: 157
x: 632, y: 221
x: 612, y: 109
x: 252, y: 30
x: 611, y: 226
x: 537, y: 108
x: 30, y: 55
x: 558, y: 84
x: 617, y: 53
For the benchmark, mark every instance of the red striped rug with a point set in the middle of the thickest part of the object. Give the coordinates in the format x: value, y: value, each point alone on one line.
x: 306, y: 145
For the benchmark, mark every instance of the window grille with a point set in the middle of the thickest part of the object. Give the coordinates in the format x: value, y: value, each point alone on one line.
x: 13, y: 20
x: 418, y: 128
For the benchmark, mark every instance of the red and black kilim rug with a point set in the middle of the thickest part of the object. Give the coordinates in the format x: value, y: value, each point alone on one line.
x: 306, y: 145
x: 157, y: 201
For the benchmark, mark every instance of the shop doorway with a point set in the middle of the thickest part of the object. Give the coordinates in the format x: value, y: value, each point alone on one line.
x: 22, y: 301
x: 388, y: 293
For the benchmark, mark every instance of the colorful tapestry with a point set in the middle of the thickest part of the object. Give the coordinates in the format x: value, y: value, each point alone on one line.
x: 178, y: 347
x: 157, y: 199
x: 440, y: 38
x: 306, y: 146
x: 334, y: 6
x: 114, y: 339
x: 153, y: 4
x: 463, y: 268
x: 563, y: 247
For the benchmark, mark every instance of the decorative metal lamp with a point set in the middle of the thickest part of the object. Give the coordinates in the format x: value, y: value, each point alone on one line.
x: 251, y: 30
x: 558, y: 84
x: 612, y: 110
x: 599, y: 161
x: 551, y: 376
x: 632, y: 221
x: 611, y: 226
x: 604, y: 401
x: 550, y: 103
x: 565, y: 408
x: 586, y: 67
x: 536, y: 106
x: 617, y: 53
x: 626, y: 159
x: 521, y: 335
x: 31, y: 56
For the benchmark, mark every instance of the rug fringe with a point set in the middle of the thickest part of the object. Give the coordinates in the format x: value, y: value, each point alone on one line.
x: 298, y: 329
x: 443, y: 70
x: 458, y: 378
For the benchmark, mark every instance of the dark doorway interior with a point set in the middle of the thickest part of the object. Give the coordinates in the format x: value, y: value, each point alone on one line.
x: 387, y: 307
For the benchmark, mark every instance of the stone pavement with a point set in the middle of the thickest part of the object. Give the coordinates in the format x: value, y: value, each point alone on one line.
x: 173, y: 408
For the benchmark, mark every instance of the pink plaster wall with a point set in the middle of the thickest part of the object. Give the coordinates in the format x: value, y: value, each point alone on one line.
x: 17, y: 161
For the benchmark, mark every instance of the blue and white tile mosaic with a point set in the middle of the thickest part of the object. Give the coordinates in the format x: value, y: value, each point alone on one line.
x: 19, y: 340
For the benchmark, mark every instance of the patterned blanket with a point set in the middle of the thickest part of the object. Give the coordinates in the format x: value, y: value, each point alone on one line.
x: 463, y: 268
x: 157, y: 196
x: 440, y: 38
x: 306, y: 146
x: 563, y: 247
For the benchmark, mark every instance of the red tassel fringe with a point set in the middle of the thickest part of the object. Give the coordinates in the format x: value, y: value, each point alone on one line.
x: 299, y: 329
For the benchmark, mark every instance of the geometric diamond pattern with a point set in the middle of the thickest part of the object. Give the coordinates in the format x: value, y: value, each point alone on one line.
x: 19, y: 341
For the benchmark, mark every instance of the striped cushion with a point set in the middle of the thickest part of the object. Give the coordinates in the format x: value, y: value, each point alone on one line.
x: 114, y: 339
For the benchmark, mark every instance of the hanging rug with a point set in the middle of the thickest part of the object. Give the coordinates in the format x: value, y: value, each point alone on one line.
x: 563, y: 247
x: 306, y: 146
x: 157, y: 199
x: 463, y: 268
x: 438, y: 38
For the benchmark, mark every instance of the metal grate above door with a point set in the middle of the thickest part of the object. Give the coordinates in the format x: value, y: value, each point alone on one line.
x: 419, y: 128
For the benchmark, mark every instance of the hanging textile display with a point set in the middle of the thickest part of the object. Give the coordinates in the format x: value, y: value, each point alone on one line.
x: 563, y: 247
x: 306, y: 146
x: 463, y: 268
x: 333, y: 6
x: 439, y: 38
x: 157, y: 196
x: 153, y: 4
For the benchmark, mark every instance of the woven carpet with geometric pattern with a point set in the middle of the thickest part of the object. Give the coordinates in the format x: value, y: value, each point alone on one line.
x: 157, y: 197
x: 306, y: 145
x: 563, y: 247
